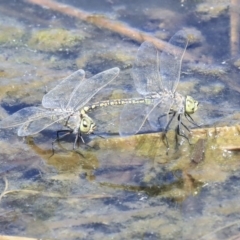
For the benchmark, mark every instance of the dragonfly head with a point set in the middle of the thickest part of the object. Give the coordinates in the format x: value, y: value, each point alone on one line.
x: 87, y: 125
x: 191, y: 105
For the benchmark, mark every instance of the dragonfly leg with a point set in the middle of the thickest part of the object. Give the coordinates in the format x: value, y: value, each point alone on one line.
x: 191, y: 120
x: 97, y: 135
x: 169, y: 122
x: 162, y: 116
x: 67, y: 132
x: 77, y: 140
x: 185, y: 126
x: 179, y: 132
x: 170, y: 112
x: 167, y: 127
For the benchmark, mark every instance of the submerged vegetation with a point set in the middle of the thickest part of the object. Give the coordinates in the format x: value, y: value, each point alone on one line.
x: 114, y: 187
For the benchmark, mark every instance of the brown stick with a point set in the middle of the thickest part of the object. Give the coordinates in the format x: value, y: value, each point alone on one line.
x: 103, y: 22
x: 234, y: 25
x: 139, y: 36
x: 4, y: 237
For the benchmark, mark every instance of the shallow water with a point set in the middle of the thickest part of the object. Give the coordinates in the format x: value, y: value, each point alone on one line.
x: 112, y: 187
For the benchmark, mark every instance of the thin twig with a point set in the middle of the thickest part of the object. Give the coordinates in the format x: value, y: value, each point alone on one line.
x: 106, y: 23
x: 5, y: 237
x: 234, y: 27
x: 213, y: 233
x: 140, y: 36
x: 55, y: 195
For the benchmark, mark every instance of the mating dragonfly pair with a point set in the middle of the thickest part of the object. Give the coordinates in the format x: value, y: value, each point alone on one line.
x: 156, y: 79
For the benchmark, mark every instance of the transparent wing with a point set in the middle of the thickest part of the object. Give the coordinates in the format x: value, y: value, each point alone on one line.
x: 87, y: 89
x: 171, y: 61
x: 58, y: 97
x: 132, y: 119
x: 107, y: 119
x: 24, y: 115
x: 32, y: 120
x: 33, y: 127
x: 145, y: 70
x: 135, y: 118
x: 158, y: 114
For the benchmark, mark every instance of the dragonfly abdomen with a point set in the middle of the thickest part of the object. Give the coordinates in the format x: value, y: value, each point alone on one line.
x: 115, y: 102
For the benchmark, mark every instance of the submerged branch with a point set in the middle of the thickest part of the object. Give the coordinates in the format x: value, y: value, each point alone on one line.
x: 106, y: 23
x: 6, y: 237
x: 234, y: 27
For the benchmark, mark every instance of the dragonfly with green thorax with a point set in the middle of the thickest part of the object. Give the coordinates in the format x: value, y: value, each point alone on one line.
x: 156, y: 77
x: 63, y: 104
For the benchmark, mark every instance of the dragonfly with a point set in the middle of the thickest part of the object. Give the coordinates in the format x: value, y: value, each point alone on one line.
x: 156, y: 77
x: 63, y: 104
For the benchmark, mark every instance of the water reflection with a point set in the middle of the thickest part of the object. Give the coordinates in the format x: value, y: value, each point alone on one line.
x: 81, y: 162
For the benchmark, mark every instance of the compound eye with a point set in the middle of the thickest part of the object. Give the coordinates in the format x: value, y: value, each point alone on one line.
x: 87, y: 125
x: 84, y: 127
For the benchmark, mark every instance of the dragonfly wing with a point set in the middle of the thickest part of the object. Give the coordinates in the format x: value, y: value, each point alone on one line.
x: 58, y: 97
x: 171, y: 61
x: 33, y: 127
x: 24, y: 115
x: 158, y: 113
x: 132, y: 119
x: 145, y: 70
x: 87, y: 89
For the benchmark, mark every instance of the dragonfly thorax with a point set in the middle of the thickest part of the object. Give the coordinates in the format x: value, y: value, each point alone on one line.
x: 191, y: 105
x: 178, y: 103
